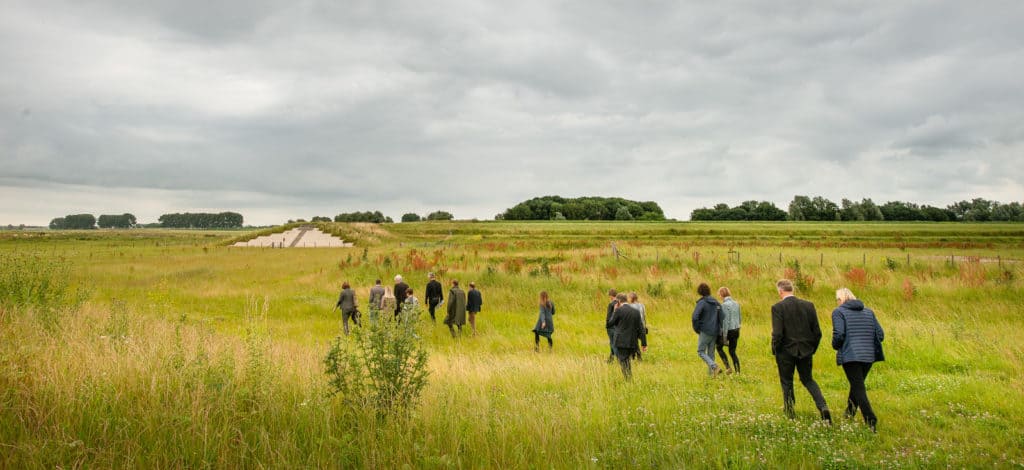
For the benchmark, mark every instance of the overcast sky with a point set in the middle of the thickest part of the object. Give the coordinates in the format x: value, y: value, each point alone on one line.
x: 292, y: 109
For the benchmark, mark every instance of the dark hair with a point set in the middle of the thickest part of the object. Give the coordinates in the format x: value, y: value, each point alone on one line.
x: 344, y: 285
x: 621, y: 298
x: 545, y: 300
x: 378, y: 281
x: 703, y: 290
x: 455, y: 282
x: 408, y: 292
x: 612, y: 292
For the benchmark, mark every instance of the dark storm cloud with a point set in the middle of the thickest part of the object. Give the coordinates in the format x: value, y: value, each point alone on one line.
x: 302, y: 108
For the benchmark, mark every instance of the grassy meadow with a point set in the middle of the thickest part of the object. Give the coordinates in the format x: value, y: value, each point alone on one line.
x: 155, y: 349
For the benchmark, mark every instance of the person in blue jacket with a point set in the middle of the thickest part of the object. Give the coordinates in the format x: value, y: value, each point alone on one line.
x: 707, y: 323
x: 857, y: 338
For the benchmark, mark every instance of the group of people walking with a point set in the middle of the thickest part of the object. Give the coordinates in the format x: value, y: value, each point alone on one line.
x: 401, y: 300
x: 856, y: 336
x: 796, y: 334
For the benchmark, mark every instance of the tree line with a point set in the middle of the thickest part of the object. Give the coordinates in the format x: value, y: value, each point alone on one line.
x: 201, y: 220
x: 821, y: 209
x: 89, y: 221
x: 436, y: 215
x: 582, y: 208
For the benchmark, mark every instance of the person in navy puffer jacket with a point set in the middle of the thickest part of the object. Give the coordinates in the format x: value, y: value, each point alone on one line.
x: 857, y: 338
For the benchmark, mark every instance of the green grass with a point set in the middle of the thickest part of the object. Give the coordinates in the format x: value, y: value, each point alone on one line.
x: 167, y: 363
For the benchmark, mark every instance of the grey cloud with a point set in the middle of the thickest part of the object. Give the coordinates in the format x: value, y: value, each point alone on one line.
x: 471, y: 106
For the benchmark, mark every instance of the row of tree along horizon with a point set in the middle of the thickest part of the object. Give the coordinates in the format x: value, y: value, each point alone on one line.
x: 802, y: 208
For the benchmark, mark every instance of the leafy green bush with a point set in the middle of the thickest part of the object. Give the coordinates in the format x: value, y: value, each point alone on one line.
x: 382, y: 365
x: 41, y: 282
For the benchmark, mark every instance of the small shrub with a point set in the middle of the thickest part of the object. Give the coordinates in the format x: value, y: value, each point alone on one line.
x: 857, y: 277
x: 382, y: 365
x: 909, y: 290
x: 972, y: 273
x: 656, y: 289
x: 800, y: 281
x: 891, y: 264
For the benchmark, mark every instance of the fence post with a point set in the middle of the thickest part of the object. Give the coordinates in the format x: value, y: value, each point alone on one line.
x: 864, y: 261
x: 821, y: 261
x: 908, y: 260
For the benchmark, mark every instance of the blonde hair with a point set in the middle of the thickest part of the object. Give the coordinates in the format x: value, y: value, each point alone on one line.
x: 724, y: 292
x: 843, y: 295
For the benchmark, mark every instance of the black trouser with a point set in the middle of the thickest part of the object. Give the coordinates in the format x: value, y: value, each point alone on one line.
x: 625, y: 354
x: 431, y: 306
x: 732, y: 336
x: 856, y: 372
x: 611, y: 342
x: 536, y: 340
x: 354, y: 315
x: 804, y: 366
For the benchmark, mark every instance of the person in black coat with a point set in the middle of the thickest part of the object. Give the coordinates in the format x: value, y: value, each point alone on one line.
x: 473, y: 303
x: 400, y: 288
x: 629, y: 327
x: 435, y: 295
x: 612, y: 303
x: 795, y: 338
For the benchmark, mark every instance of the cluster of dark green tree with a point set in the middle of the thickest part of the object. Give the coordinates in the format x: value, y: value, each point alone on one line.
x: 89, y: 221
x: 821, y: 209
x: 74, y: 222
x: 583, y: 208
x: 436, y: 215
x: 749, y: 210
x: 374, y: 217
x: 201, y: 220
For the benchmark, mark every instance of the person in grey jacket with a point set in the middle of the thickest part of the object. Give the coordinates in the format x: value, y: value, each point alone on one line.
x: 730, y: 329
x: 707, y: 323
x: 347, y: 304
x: 545, y: 325
x: 857, y: 338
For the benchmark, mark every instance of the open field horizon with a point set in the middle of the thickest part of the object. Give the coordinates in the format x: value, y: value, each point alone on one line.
x: 181, y: 351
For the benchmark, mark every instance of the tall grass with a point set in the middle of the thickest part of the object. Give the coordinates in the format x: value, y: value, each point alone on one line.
x: 186, y: 358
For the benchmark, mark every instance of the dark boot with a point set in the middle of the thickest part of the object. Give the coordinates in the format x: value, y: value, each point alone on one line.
x: 826, y: 416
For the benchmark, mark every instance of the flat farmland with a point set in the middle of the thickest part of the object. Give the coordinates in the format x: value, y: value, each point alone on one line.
x: 159, y: 348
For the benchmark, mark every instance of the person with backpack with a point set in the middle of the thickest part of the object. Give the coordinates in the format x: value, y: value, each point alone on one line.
x: 707, y: 323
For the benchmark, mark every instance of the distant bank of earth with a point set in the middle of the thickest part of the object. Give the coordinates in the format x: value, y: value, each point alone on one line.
x: 301, y: 237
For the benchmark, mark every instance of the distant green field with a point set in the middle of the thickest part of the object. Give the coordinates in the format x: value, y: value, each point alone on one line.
x: 154, y: 362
